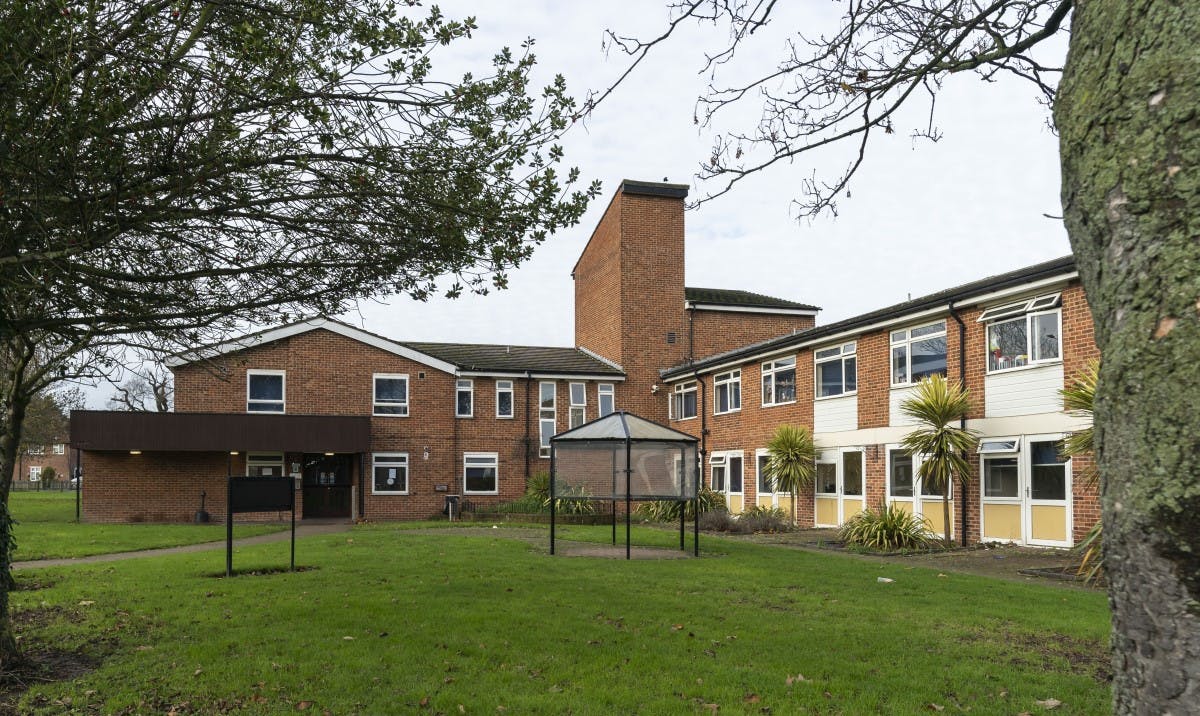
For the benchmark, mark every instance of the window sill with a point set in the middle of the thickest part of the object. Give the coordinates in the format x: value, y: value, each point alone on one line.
x: 389, y: 415
x: 483, y: 494
x: 1028, y: 366
x: 464, y: 417
x: 776, y: 405
x: 504, y: 417
x: 683, y: 420
x: 390, y: 493
x: 729, y: 412
x: 847, y: 394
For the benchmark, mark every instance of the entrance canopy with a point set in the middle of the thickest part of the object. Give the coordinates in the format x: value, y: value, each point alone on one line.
x: 218, y: 432
x: 622, y: 456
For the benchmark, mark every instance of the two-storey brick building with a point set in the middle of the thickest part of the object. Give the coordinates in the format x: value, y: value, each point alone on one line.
x: 384, y: 428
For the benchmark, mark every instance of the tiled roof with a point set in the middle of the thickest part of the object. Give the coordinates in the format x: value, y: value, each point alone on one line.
x: 745, y: 299
x: 515, y: 359
x: 960, y: 293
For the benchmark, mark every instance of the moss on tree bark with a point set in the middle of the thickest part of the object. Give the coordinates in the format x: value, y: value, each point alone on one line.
x: 1127, y: 113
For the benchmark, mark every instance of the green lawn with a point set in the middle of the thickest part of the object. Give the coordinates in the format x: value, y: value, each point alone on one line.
x: 46, y: 529
x: 394, y: 621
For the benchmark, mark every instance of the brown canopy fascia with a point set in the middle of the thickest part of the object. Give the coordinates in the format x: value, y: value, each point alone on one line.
x: 207, y: 432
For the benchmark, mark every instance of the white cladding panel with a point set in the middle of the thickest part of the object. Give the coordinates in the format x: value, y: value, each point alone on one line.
x: 1024, y: 391
x: 835, y: 414
x: 899, y: 395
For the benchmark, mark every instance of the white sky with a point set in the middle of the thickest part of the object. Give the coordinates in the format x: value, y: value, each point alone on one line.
x: 922, y: 216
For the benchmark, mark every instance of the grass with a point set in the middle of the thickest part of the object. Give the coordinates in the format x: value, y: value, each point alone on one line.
x: 46, y: 529
x: 393, y: 620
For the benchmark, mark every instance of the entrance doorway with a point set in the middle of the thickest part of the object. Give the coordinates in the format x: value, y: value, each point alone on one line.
x: 1026, y: 491
x: 727, y: 478
x: 906, y: 490
x: 327, y: 485
x: 839, y: 486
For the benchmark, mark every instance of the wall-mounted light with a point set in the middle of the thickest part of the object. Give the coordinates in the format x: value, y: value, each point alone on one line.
x: 135, y: 452
x: 233, y: 452
x: 328, y: 454
x: 654, y: 389
x: 425, y: 453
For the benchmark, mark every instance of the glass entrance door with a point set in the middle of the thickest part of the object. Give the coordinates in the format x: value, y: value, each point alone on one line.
x: 726, y: 477
x: 839, y: 487
x: 327, y: 485
x: 1026, y: 492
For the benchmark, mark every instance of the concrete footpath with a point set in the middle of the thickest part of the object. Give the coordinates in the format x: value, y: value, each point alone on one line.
x: 302, y: 530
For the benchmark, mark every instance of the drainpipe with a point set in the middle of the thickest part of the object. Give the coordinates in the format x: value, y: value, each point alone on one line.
x: 528, y: 388
x: 703, y: 416
x: 962, y: 422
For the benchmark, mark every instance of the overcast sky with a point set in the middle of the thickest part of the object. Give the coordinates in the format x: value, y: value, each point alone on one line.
x: 921, y: 216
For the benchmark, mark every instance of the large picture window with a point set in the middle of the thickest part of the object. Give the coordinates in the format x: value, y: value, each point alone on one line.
x: 918, y: 352
x: 900, y: 474
x: 265, y: 391
x: 727, y: 392
x: 1027, y: 339
x: 779, y: 381
x: 683, y: 401
x: 389, y: 473
x: 391, y: 394
x: 480, y: 471
x: 837, y: 370
x: 546, y: 417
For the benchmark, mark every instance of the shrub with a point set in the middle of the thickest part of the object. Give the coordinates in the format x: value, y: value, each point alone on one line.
x: 718, y: 520
x: 668, y: 510
x: 49, y: 474
x: 761, y: 518
x: 538, y: 489
x: 885, y: 529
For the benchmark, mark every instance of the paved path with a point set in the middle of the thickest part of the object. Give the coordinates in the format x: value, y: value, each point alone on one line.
x: 302, y: 530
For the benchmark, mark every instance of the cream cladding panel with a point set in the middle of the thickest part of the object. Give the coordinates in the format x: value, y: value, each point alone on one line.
x: 1024, y: 391
x: 835, y: 414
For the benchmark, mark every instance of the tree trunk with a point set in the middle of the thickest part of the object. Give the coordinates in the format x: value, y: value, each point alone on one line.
x: 1127, y: 113
x: 947, y: 523
x: 10, y: 441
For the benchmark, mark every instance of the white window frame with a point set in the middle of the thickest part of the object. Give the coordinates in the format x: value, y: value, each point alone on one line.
x: 906, y: 343
x: 1029, y: 338
x: 547, y: 415
x: 398, y: 460
x: 283, y: 391
x: 265, y: 459
x: 376, y: 403
x: 59, y: 448
x: 1012, y: 310
x: 461, y: 385
x: 1024, y: 497
x: 772, y: 368
x: 36, y: 450
x: 680, y: 393
x: 843, y: 353
x: 606, y: 390
x: 999, y: 445
x: 758, y: 478
x: 727, y: 381
x: 577, y: 413
x: 494, y: 463
x: 35, y: 473
x: 506, y: 386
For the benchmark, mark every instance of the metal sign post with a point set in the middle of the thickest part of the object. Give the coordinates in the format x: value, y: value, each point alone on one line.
x: 257, y: 494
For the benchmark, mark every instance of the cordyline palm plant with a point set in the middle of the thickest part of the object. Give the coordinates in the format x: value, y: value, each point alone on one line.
x: 792, y: 461
x: 1079, y: 399
x: 943, y: 446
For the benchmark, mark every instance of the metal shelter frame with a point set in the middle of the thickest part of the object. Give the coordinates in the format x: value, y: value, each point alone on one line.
x: 625, y: 430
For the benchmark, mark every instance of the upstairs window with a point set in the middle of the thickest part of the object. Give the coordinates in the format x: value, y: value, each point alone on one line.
x: 464, y: 399
x: 779, y: 381
x: 546, y: 417
x: 59, y: 448
x: 605, y: 400
x: 391, y: 394
x: 837, y: 370
x: 918, y: 353
x: 727, y: 392
x: 265, y: 391
x: 504, y: 399
x: 683, y: 401
x: 1024, y: 333
x: 578, y: 395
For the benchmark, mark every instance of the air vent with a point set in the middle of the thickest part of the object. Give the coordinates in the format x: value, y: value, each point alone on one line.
x: 671, y: 337
x: 421, y: 375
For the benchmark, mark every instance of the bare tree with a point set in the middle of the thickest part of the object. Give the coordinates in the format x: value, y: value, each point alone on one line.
x: 147, y: 386
x: 1124, y: 105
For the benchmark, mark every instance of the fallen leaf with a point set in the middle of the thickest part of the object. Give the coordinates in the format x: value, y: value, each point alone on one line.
x: 303, y: 705
x: 676, y: 627
x: 798, y: 678
x: 935, y: 707
x: 86, y: 603
x: 198, y: 671
x: 347, y: 638
x: 462, y: 709
x: 712, y: 707
x: 1049, y: 703
x: 424, y: 702
x: 751, y: 699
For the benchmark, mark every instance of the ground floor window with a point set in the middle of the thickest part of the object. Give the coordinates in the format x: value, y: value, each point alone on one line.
x: 264, y: 464
x: 35, y: 474
x: 389, y: 473
x: 480, y: 473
